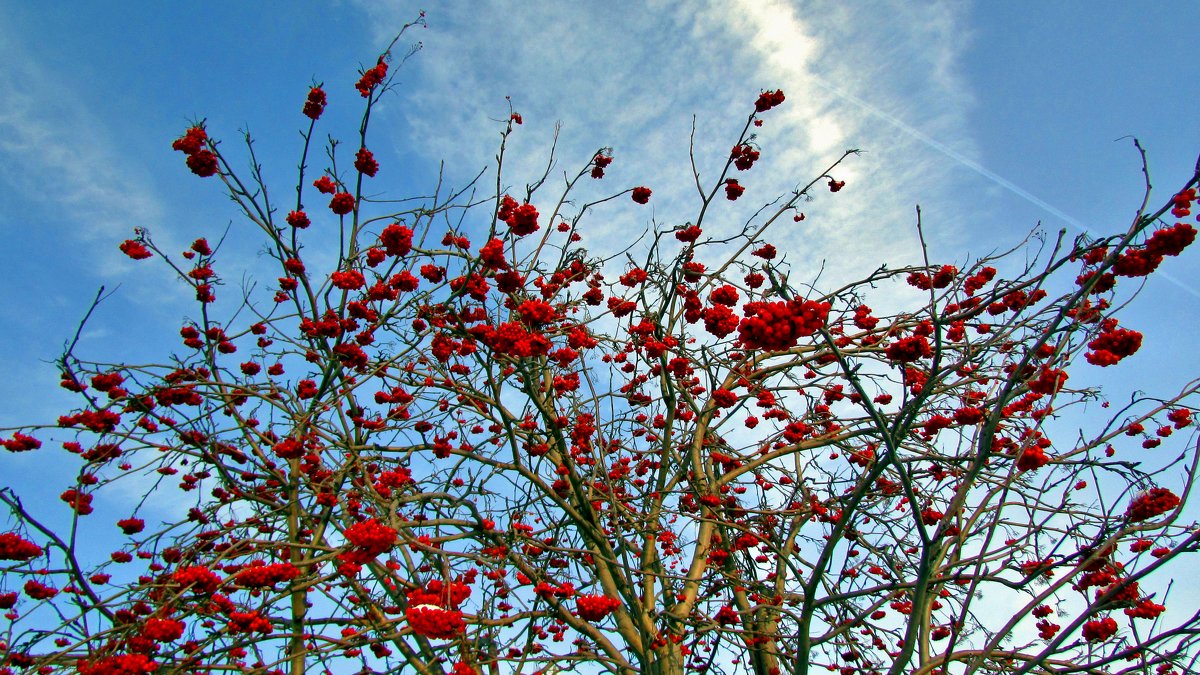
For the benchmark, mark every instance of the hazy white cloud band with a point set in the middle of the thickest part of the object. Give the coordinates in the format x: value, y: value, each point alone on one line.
x: 632, y: 76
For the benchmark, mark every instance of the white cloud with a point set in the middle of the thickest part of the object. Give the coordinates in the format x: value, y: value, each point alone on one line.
x: 81, y: 194
x: 632, y: 77
x: 56, y: 152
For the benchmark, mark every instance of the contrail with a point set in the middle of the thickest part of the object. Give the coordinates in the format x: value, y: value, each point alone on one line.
x: 982, y: 171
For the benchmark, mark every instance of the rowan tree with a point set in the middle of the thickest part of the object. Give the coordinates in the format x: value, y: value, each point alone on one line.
x: 468, y: 445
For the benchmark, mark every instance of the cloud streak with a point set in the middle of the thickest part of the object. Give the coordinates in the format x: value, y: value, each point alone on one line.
x: 653, y: 68
x: 55, y: 152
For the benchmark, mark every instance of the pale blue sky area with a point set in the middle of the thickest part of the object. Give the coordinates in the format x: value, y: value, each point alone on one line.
x: 1039, y: 95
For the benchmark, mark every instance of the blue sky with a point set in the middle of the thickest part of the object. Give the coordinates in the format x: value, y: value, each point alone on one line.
x: 992, y: 116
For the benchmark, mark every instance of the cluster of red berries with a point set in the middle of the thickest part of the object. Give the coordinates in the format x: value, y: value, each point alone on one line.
x: 595, y: 607
x: 365, y: 162
x: 248, y: 622
x: 719, y: 320
x: 768, y: 100
x: 906, y: 350
x: 743, y: 156
x: 1099, y: 630
x: 14, y: 547
x: 262, y: 575
x: 599, y: 163
x: 435, y: 622
x: 443, y: 594
x: 396, y: 239
x: 135, y: 249
x: 198, y: 578
x: 1151, y: 503
x: 200, y: 160
x: 20, y: 443
x: 371, y: 78
x: 131, y: 525
x: 521, y: 218
x: 940, y: 279
x: 314, y: 105
x: 513, y: 339
x: 125, y: 664
x: 80, y: 502
x: 1034, y: 457
x: 1113, y: 344
x: 342, y: 203
x: 163, y: 630
x: 775, y: 326
x: 370, y: 538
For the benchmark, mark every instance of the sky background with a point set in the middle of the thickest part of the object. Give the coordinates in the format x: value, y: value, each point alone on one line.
x: 993, y: 116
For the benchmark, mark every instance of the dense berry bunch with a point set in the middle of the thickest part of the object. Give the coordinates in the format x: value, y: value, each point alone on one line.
x: 768, y: 100
x: 940, y: 279
x: 342, y: 203
x: 521, y: 218
x: 261, y: 575
x: 1099, y: 630
x: 372, y: 78
x: 599, y: 163
x: 14, y: 547
x: 131, y: 525
x: 397, y: 240
x: 775, y: 326
x: 909, y: 349
x: 200, y: 160
x: 435, y: 622
x: 365, y: 162
x: 370, y: 538
x: 595, y: 607
x: 449, y: 595
x: 1151, y: 503
x: 163, y: 630
x: 135, y: 249
x: 248, y: 622
x: 314, y: 105
x: 80, y: 502
x: 743, y: 156
x: 1113, y: 345
x: 197, y: 579
x: 123, y: 664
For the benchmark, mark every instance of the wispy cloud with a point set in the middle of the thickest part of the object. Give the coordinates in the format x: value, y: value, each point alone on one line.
x: 79, y: 195
x: 55, y: 152
x: 901, y: 59
x: 633, y: 77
